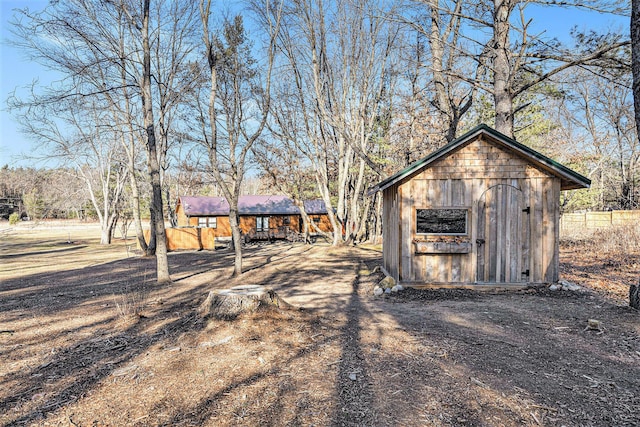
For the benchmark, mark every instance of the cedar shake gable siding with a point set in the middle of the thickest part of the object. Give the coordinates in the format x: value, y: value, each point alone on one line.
x: 570, y: 180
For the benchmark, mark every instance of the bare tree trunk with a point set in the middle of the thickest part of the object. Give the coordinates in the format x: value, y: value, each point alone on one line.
x: 634, y: 296
x: 113, y: 221
x: 378, y: 228
x: 440, y: 86
x: 364, y: 230
x: 135, y: 206
x: 171, y: 213
x: 236, y: 236
x: 130, y: 149
x: 323, y: 186
x: 635, y: 58
x: 634, y: 290
x: 157, y: 224
x: 151, y: 244
x: 502, y: 96
x: 355, y: 219
x: 344, y: 166
x: 230, y: 70
x: 306, y: 223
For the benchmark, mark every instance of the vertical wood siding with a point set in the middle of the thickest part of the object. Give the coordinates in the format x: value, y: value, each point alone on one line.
x: 188, y: 238
x: 391, y: 231
x: 183, y: 220
x: 499, y: 225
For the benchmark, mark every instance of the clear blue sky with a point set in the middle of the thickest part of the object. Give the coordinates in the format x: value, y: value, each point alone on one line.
x: 16, y: 71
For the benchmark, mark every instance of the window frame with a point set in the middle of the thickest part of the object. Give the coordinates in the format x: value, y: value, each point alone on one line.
x: 207, y: 222
x: 264, y: 223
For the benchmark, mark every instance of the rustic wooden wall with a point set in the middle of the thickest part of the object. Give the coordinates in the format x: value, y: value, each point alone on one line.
x: 247, y: 223
x: 324, y: 224
x: 391, y: 232
x: 458, y: 181
x: 188, y: 238
x: 183, y: 219
x: 223, y: 228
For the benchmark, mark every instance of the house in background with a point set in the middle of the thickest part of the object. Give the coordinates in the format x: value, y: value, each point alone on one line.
x: 317, y: 213
x: 259, y: 214
x: 483, y: 209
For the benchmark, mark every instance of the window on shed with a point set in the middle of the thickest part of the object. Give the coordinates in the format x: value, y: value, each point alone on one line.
x: 448, y: 221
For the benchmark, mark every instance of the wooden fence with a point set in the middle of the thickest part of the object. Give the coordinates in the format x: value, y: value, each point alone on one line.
x: 595, y: 220
x: 189, y: 238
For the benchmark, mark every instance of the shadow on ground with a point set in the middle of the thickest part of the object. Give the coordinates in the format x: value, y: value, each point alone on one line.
x: 104, y: 345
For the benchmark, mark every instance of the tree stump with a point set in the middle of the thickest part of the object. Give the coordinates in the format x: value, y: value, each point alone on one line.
x: 228, y: 304
x: 634, y: 296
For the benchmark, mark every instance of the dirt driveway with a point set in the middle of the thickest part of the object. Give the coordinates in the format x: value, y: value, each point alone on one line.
x: 87, y: 339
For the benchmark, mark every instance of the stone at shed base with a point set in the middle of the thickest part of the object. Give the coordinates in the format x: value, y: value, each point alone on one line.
x: 387, y: 282
x: 377, y: 291
x: 230, y: 303
x: 555, y: 287
x: 568, y: 286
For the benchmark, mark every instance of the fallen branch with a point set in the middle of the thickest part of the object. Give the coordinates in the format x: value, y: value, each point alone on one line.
x: 546, y: 408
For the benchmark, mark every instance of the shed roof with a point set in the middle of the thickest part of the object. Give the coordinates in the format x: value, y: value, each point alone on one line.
x: 569, y: 179
x: 248, y: 205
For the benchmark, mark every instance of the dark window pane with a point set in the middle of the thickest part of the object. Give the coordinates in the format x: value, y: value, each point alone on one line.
x: 441, y: 221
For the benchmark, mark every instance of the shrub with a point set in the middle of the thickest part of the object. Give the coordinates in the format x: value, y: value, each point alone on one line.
x: 14, y: 218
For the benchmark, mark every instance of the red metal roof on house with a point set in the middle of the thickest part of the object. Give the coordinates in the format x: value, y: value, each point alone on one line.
x: 315, y: 207
x: 274, y: 205
x: 197, y: 206
x: 248, y: 205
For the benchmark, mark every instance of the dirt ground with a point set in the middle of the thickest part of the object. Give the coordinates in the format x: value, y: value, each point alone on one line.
x: 88, y: 339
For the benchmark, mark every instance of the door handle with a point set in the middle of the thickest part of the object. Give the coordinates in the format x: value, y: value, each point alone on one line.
x: 480, y: 241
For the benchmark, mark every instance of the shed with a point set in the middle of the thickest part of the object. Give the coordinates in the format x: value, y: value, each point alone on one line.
x: 482, y: 210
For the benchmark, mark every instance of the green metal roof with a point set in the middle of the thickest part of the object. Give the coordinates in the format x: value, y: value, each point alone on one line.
x: 570, y: 179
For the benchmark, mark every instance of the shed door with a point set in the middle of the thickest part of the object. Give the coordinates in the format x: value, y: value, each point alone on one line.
x: 502, y: 241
